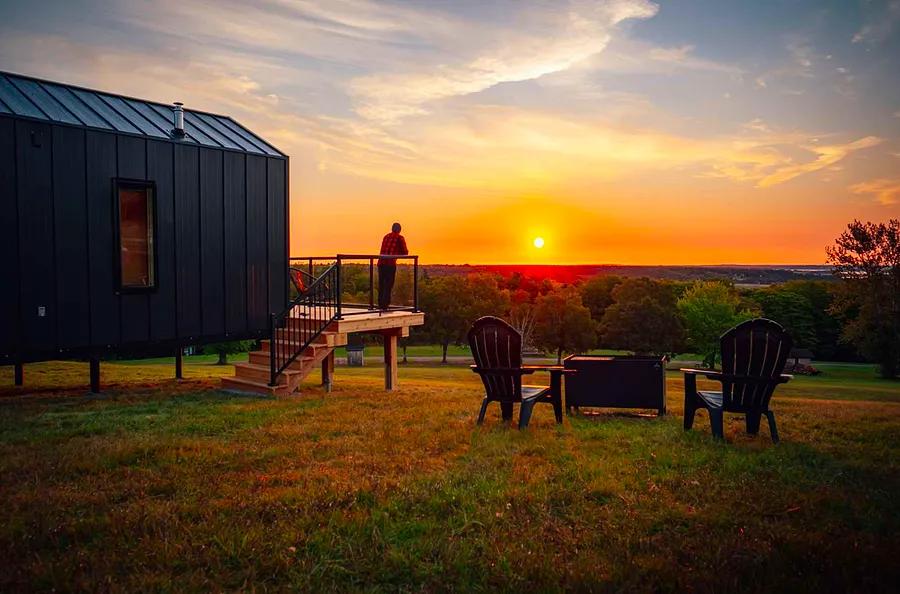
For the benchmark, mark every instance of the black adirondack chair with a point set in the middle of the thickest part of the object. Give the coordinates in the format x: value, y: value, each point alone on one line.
x: 753, y: 358
x: 497, y: 350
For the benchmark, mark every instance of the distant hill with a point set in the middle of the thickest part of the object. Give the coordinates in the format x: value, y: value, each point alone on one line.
x: 739, y: 274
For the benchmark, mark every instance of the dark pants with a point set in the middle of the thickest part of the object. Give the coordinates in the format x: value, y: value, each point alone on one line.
x: 386, y: 275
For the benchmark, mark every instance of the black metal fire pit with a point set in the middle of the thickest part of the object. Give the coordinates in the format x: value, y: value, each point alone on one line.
x: 616, y: 382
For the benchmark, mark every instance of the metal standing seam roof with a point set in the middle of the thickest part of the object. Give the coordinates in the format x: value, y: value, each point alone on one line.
x: 56, y: 102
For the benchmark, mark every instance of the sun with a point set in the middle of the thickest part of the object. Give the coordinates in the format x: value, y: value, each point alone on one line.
x: 538, y: 242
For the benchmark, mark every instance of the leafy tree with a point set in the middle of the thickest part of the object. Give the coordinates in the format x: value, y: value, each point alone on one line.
x: 708, y: 309
x: 562, y: 323
x: 596, y: 294
x: 488, y: 299
x: 223, y: 349
x: 793, y: 311
x: 866, y: 257
x: 521, y: 317
x: 826, y: 325
x: 534, y: 287
x: 448, y: 305
x: 643, y: 318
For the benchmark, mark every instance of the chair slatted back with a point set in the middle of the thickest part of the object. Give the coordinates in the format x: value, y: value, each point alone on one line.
x: 757, y: 350
x: 497, y: 346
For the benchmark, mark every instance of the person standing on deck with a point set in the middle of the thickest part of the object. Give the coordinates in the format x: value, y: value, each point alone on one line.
x: 393, y: 244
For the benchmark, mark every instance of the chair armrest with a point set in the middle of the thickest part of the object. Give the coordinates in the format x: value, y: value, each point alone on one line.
x: 550, y: 368
x: 709, y: 373
x: 725, y: 377
x: 503, y: 370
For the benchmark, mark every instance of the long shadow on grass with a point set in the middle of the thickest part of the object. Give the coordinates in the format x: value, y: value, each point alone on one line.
x: 206, y: 413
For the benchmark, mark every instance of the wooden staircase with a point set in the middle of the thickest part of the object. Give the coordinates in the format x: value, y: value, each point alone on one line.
x: 312, y: 325
x: 253, y: 376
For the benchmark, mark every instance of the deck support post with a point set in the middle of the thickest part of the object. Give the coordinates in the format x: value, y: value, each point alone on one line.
x: 179, y: 372
x: 390, y: 360
x: 328, y: 371
x: 95, y: 375
x: 19, y: 374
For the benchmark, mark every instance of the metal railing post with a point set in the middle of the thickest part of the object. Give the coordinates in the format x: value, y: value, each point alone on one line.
x: 415, y: 283
x: 371, y: 283
x: 339, y: 288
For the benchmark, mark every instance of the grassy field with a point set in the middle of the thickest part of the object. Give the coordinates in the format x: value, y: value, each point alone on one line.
x: 159, y: 485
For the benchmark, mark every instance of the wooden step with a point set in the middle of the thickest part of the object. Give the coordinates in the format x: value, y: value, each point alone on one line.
x: 327, y: 337
x: 262, y: 373
x: 241, y: 384
x: 291, y: 345
x: 262, y: 358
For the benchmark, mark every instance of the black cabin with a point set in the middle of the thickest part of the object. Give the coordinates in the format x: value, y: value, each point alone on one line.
x: 126, y: 223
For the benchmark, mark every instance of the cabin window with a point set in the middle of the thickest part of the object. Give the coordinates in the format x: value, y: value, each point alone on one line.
x: 135, y: 229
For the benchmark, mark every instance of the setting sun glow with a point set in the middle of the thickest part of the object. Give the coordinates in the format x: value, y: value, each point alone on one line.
x: 538, y: 242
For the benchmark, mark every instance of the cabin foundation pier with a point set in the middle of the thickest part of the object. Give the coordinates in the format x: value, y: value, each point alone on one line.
x: 328, y: 371
x: 391, y: 374
x: 179, y: 370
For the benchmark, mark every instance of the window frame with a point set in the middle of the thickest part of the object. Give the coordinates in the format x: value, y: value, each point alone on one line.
x: 120, y: 183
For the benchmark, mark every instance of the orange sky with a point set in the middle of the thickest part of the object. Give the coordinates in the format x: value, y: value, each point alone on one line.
x: 620, y: 131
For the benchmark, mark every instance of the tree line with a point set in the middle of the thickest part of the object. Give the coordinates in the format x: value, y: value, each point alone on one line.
x: 855, y: 318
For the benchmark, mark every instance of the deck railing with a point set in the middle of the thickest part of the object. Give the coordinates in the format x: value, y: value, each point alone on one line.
x: 348, y: 297
x: 305, y: 318
x: 320, y: 301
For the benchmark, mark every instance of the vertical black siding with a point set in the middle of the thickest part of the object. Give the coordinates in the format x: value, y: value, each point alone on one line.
x: 104, y: 306
x: 221, y: 240
x: 278, y: 275
x: 35, y: 207
x: 162, y: 301
x: 212, y: 289
x: 187, y: 238
x: 235, y: 244
x: 9, y: 244
x: 135, y: 307
x: 71, y: 230
x: 257, y: 244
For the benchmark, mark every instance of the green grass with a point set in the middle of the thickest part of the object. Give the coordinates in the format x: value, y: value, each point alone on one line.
x: 159, y: 485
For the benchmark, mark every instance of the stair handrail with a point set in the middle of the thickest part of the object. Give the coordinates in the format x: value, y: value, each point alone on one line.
x: 314, y: 310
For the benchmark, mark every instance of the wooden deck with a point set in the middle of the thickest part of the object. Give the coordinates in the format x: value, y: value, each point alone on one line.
x: 362, y: 319
x: 391, y: 325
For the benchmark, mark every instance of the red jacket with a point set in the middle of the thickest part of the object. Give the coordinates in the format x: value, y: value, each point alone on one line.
x: 393, y: 244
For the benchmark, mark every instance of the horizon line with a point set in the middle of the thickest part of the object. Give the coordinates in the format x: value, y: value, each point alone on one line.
x: 598, y: 264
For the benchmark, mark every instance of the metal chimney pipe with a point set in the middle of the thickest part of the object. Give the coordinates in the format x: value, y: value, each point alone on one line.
x: 178, y: 114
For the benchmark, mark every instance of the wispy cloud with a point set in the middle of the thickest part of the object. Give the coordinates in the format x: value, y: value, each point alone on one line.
x: 684, y: 56
x: 628, y: 55
x: 386, y: 91
x: 797, y: 69
x: 885, y: 191
x: 525, y: 149
x: 824, y: 157
x: 880, y: 24
x: 555, y: 42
